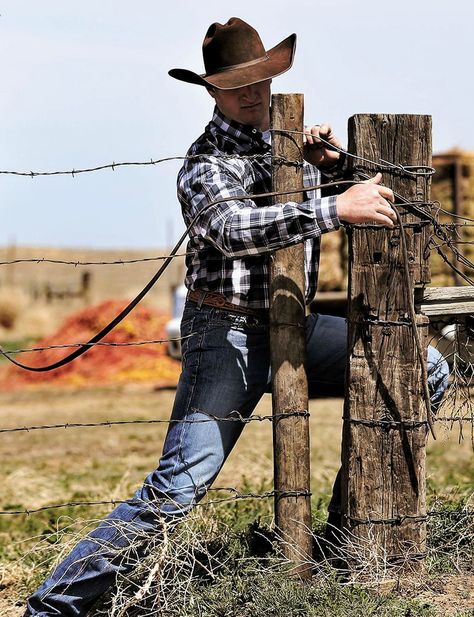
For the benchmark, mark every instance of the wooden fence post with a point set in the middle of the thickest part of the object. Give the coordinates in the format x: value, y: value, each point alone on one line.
x: 287, y: 343
x: 385, y: 415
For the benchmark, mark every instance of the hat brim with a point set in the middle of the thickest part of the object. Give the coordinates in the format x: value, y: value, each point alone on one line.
x: 278, y: 60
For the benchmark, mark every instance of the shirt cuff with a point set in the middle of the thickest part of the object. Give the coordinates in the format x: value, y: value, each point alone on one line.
x: 326, y: 214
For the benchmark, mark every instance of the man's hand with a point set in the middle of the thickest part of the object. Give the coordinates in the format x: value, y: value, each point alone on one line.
x: 316, y: 151
x: 367, y: 203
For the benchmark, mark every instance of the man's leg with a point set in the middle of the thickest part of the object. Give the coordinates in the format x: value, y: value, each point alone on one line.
x: 225, y: 369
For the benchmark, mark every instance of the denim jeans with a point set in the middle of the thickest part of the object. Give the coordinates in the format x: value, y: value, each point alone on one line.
x: 225, y: 369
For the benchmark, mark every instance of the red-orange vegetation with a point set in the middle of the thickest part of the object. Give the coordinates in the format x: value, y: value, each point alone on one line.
x: 101, y: 365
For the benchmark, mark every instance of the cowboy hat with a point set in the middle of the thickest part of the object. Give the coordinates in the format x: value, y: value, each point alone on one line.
x: 234, y: 56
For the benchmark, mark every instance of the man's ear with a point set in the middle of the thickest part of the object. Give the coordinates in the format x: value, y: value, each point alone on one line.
x: 211, y: 91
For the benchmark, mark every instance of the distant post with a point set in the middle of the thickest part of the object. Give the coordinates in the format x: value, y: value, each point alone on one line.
x: 385, y: 416
x: 287, y: 341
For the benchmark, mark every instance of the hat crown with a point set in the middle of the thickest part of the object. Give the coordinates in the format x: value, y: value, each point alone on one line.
x: 230, y: 44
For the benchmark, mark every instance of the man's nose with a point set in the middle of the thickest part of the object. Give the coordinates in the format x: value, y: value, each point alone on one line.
x: 249, y: 91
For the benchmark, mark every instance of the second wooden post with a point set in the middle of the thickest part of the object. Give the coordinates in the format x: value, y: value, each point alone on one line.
x: 287, y: 341
x: 385, y: 414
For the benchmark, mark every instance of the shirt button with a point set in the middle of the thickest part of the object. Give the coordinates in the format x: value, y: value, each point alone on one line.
x: 254, y: 131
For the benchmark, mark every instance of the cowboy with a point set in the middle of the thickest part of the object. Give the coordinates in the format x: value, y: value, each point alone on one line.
x: 225, y: 323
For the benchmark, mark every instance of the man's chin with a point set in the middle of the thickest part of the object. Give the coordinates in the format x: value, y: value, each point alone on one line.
x: 254, y: 117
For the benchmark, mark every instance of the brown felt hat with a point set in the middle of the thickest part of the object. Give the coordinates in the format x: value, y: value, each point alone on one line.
x: 234, y: 56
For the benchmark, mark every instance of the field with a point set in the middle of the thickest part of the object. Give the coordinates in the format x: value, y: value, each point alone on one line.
x: 107, y: 463
x: 58, y: 466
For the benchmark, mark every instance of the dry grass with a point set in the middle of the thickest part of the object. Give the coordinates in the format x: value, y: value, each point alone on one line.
x: 123, y: 281
x: 54, y: 466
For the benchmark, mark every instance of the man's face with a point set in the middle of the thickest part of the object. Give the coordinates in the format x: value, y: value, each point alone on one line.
x: 247, y: 105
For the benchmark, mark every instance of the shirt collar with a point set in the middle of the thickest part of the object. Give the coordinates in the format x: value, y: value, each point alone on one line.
x: 241, y: 132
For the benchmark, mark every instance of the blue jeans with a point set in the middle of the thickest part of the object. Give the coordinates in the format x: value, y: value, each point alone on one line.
x: 225, y: 369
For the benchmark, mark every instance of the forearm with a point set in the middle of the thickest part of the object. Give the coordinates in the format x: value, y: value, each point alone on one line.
x: 251, y: 231
x: 237, y: 226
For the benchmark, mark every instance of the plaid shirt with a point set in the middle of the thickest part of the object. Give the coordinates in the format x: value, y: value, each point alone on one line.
x: 230, y: 242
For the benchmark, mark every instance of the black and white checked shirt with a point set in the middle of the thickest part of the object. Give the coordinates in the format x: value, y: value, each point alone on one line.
x: 230, y: 242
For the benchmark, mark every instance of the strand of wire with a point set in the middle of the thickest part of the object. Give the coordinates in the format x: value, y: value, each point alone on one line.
x: 75, y: 263
x: 414, y: 518
x: 152, y: 162
x: 234, y: 417
x: 237, y: 495
x: 381, y: 164
x: 450, y: 227
x: 407, y: 169
x: 102, y: 344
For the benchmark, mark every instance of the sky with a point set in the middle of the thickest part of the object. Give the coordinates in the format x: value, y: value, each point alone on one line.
x: 85, y: 84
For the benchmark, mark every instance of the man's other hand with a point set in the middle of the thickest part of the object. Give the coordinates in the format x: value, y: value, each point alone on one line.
x: 367, y: 203
x: 318, y: 152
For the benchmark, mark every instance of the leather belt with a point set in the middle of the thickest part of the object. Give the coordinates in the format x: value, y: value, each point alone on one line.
x: 210, y: 298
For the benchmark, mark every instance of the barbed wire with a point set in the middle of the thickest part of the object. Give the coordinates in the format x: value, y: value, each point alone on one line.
x: 102, y: 344
x: 411, y: 170
x: 233, y: 416
x: 237, y: 495
x: 450, y: 227
x: 152, y: 162
x: 75, y: 263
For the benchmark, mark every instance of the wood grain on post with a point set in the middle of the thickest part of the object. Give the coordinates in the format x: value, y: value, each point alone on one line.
x: 385, y: 431
x: 287, y: 342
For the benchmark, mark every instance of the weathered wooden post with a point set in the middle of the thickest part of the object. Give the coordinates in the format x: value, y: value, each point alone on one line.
x: 385, y: 414
x: 287, y: 341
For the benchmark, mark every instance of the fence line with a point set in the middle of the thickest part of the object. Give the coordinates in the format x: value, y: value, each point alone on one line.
x: 435, y: 323
x: 446, y: 241
x: 383, y: 164
x: 426, y: 217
